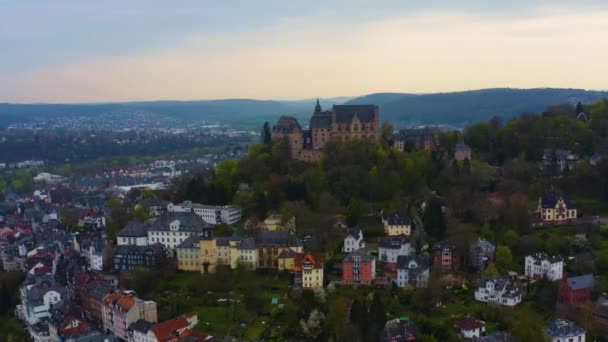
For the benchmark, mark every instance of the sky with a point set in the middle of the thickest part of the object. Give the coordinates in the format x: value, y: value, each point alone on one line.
x: 114, y: 50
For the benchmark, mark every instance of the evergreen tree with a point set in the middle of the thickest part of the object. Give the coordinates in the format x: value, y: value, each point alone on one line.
x: 266, y: 136
x: 433, y: 220
x: 5, y: 299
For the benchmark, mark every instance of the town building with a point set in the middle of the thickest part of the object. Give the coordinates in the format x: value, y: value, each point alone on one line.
x: 462, y: 151
x: 247, y: 254
x: 130, y: 257
x: 173, y: 228
x: 559, y: 159
x: 286, y: 260
x: 482, y: 254
x: 122, y: 308
x: 576, y: 290
x: 308, y: 270
x: 211, y: 214
x: 393, y: 246
x: 499, y: 291
x: 343, y: 122
x: 358, y: 268
x: 353, y: 240
x: 134, y: 233
x: 399, y: 330
x: 412, y: 271
x: 188, y: 254
x: 271, y: 243
x: 172, y: 330
x: 416, y: 138
x: 555, y: 209
x: 228, y: 252
x: 38, y: 297
x: 561, y: 330
x: 91, y: 297
x: 207, y: 254
x: 541, y: 265
x: 276, y: 222
x: 396, y: 223
x: 470, y: 327
x: 446, y: 255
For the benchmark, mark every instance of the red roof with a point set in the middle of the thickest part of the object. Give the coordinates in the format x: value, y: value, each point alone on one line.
x: 316, y: 259
x: 469, y: 323
x: 172, y: 330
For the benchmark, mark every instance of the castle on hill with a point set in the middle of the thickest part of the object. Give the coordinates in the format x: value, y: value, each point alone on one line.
x: 343, y: 122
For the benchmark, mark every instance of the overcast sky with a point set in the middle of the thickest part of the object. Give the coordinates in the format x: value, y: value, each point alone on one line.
x: 93, y: 51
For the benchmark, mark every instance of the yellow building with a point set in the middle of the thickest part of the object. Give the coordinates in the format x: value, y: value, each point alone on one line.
x: 188, y: 254
x: 276, y: 222
x: 207, y: 252
x: 308, y: 269
x: 270, y: 244
x: 286, y: 260
x: 227, y: 250
x: 396, y: 224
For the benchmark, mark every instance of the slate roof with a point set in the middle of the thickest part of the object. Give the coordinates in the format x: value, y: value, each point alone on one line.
x: 188, y: 222
x: 141, y: 326
x: 483, y: 245
x: 321, y: 120
x: 135, y: 228
x: 190, y: 242
x: 445, y: 244
x: 286, y: 254
x: 540, y: 256
x: 225, y: 241
x: 549, y: 200
x: 559, y: 153
x: 287, y: 124
x: 496, y: 336
x: 247, y: 244
x: 394, y: 241
x: 563, y: 329
x: 279, y: 238
x: 395, y: 218
x: 403, y: 261
x: 416, y: 134
x: 469, y: 323
x: 354, y: 232
x: 154, y: 249
x: 346, y: 113
x: 581, y: 282
x: 363, y: 254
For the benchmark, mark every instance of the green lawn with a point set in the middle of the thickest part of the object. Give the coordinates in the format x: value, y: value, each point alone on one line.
x: 216, y: 319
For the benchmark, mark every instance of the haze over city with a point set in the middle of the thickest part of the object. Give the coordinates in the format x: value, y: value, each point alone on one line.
x: 67, y: 51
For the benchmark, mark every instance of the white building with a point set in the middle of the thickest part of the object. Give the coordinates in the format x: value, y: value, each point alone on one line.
x: 212, y: 214
x: 561, y: 330
x: 353, y: 240
x: 470, y: 327
x: 394, y: 246
x: 541, y: 265
x: 499, y: 291
x: 134, y: 233
x: 37, y: 298
x: 173, y: 228
x: 413, y: 271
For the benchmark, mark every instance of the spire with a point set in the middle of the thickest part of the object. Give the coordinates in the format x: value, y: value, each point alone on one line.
x: 318, y: 107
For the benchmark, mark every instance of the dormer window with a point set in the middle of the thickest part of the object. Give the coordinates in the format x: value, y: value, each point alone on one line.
x: 174, y: 226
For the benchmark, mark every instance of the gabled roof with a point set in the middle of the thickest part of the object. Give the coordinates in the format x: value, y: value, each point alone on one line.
x: 563, y: 328
x: 550, y: 199
x: 445, y: 244
x: 581, y: 282
x: 396, y: 218
x: 362, y: 254
x: 404, y: 262
x: 346, y: 113
x: 287, y: 124
x: 539, y: 257
x: 354, y: 232
x: 315, y: 259
x: 189, y: 222
x: 135, y: 228
x: 172, y: 330
x: 469, y: 323
x: 394, y: 241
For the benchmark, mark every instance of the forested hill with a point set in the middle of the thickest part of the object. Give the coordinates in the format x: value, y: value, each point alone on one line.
x: 462, y: 108
x: 458, y: 109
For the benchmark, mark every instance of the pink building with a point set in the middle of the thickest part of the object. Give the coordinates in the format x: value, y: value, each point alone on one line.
x: 122, y: 308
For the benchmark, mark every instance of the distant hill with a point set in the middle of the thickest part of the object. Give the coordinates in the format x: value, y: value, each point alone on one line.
x: 456, y: 109
x: 462, y: 108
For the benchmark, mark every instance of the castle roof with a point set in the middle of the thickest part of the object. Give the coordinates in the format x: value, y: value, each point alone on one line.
x: 287, y: 124
x: 346, y: 113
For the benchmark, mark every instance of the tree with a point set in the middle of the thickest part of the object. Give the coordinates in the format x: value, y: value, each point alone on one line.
x: 491, y: 270
x: 353, y: 212
x: 266, y: 136
x: 433, y: 220
x: 504, y: 258
x: 387, y: 131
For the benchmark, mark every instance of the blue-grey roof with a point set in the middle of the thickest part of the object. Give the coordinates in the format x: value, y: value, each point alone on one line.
x: 287, y: 124
x: 550, y: 199
x: 135, y: 228
x: 189, y: 222
x: 394, y: 241
x: 407, y: 262
x: 563, y: 329
x: 321, y: 120
x: 581, y: 282
x: 346, y: 113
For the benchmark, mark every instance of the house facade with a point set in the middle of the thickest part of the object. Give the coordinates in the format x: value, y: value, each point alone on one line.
x: 38, y: 298
x: 482, y: 254
x: 130, y: 257
x: 555, y: 209
x: 353, y: 240
x: 576, y: 290
x: 392, y: 247
x: 270, y: 244
x: 499, y: 291
x: 122, y: 308
x: 344, y: 122
x: 559, y: 158
x: 561, y: 330
x: 418, y: 138
x: 469, y: 327
x: 173, y: 228
x: 446, y: 255
x: 462, y: 152
x: 412, y: 271
x: 308, y: 270
x: 541, y: 265
x: 358, y: 268
x: 396, y: 223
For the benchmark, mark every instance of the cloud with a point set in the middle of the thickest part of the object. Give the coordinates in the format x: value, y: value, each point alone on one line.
x: 308, y: 56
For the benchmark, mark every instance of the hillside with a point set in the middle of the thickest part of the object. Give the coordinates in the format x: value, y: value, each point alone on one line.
x: 461, y: 108
x: 457, y: 109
